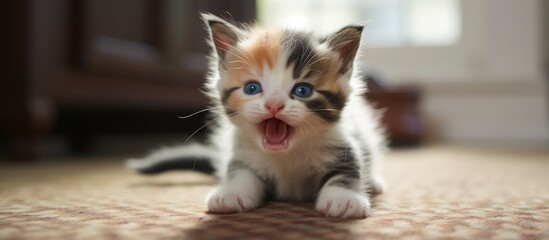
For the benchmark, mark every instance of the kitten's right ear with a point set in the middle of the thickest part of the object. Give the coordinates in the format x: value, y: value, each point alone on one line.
x: 223, y: 35
x: 345, y: 42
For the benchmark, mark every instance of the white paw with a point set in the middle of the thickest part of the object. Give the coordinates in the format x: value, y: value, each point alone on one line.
x: 378, y: 185
x: 340, y: 202
x: 226, y: 201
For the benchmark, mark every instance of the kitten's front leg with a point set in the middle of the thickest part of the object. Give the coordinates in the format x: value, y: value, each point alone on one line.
x: 242, y: 191
x: 341, y: 196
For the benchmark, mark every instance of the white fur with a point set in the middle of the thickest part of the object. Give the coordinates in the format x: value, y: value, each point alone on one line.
x: 335, y: 201
x: 244, y: 192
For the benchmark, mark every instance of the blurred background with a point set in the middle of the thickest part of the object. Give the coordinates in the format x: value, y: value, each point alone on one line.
x: 92, y: 77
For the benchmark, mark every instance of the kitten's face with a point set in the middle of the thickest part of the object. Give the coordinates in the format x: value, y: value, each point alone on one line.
x: 283, y: 88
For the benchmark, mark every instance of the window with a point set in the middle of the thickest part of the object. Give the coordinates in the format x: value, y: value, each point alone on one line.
x: 392, y: 23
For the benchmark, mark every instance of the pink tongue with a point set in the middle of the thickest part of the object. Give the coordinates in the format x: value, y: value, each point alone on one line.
x: 276, y: 130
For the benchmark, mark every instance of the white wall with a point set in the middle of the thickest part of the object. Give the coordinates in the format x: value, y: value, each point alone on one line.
x: 489, y: 87
x: 501, y: 40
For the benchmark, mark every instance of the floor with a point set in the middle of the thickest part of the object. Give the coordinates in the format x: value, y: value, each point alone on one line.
x: 433, y: 192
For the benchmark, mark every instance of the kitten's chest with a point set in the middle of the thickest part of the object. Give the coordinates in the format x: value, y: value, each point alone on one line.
x: 293, y: 185
x: 296, y: 179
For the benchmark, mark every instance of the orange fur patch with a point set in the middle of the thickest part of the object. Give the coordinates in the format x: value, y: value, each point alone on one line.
x: 261, y: 50
x: 235, y: 102
x: 264, y: 48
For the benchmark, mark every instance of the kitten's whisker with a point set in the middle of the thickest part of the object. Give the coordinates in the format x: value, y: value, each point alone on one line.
x: 314, y: 70
x: 237, y: 61
x: 235, y: 68
x: 318, y: 60
x: 205, y: 125
x: 247, y: 56
x: 208, y: 123
x: 308, y: 58
x: 322, y: 120
x: 228, y: 115
x: 232, y: 20
x: 243, y: 61
x: 302, y: 63
x: 309, y: 136
x: 247, y: 60
x: 312, y: 127
x: 195, y: 113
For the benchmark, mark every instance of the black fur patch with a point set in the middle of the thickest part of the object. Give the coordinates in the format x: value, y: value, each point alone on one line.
x: 328, y: 109
x: 226, y: 94
x: 302, y: 53
x: 336, y: 99
x: 347, y: 167
x: 321, y: 108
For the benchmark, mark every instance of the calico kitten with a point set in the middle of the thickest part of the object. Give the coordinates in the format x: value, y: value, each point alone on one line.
x: 291, y: 122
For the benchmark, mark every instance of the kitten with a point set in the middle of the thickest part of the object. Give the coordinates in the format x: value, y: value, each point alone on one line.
x: 291, y: 122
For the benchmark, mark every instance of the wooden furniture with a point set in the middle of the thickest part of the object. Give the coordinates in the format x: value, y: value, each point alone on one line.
x: 401, y: 113
x: 87, y: 66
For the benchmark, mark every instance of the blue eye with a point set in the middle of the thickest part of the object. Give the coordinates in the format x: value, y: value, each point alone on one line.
x: 303, y: 90
x: 252, y: 88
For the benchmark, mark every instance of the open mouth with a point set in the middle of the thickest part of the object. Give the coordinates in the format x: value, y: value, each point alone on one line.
x: 276, y: 134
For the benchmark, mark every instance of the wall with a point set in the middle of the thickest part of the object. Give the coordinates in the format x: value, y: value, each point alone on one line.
x: 489, y: 87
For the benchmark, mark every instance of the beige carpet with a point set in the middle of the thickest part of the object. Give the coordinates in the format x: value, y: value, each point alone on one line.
x: 432, y: 193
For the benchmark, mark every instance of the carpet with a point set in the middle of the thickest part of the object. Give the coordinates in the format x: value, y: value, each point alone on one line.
x: 433, y: 192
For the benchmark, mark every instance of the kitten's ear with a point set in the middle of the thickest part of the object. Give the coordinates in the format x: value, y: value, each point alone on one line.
x: 345, y: 42
x: 223, y: 35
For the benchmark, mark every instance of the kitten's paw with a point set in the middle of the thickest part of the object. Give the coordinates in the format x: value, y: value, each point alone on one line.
x: 226, y: 201
x: 377, y: 185
x: 340, y: 202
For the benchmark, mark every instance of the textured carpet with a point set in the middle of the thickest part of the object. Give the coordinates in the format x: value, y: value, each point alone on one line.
x: 432, y: 193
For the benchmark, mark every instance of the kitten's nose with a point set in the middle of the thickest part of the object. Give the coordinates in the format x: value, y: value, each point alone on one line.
x: 274, y: 106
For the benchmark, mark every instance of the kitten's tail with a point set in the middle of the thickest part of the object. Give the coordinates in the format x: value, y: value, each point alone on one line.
x: 196, y: 157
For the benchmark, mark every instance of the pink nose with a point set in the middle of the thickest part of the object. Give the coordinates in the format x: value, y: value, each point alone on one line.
x: 274, y: 107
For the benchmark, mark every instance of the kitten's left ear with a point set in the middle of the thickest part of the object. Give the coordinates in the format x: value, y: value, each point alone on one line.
x: 223, y: 35
x: 345, y: 42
